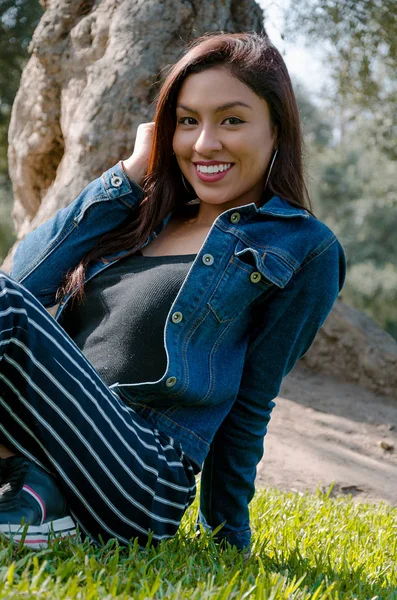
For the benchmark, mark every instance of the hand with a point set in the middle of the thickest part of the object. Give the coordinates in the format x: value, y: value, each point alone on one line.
x: 137, y: 164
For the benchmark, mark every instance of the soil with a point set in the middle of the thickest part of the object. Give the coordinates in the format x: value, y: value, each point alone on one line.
x: 324, y: 431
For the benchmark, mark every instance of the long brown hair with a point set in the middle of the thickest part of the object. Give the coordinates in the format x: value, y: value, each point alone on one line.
x: 252, y: 59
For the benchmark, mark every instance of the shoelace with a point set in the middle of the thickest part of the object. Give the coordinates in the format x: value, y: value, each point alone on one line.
x: 12, y: 472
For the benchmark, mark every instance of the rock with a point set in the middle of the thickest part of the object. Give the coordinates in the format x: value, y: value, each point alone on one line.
x: 351, y: 489
x: 386, y: 446
x: 354, y: 348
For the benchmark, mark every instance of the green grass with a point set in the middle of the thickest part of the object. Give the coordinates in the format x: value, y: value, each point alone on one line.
x: 304, y: 547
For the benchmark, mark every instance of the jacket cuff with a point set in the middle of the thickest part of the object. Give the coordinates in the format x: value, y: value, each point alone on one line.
x: 241, y: 539
x: 117, y: 184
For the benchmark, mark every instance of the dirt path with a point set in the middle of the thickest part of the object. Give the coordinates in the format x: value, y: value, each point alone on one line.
x: 325, y: 431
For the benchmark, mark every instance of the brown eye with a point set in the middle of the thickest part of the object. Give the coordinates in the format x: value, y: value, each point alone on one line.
x: 182, y: 121
x: 239, y: 121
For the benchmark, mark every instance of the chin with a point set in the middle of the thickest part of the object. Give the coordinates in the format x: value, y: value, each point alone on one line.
x: 215, y: 196
x: 214, y: 201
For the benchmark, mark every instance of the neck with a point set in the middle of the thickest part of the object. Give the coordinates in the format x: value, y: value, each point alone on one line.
x: 198, y: 216
x: 207, y: 213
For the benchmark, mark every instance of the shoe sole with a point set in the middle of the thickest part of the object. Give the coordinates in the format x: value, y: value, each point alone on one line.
x: 38, y: 536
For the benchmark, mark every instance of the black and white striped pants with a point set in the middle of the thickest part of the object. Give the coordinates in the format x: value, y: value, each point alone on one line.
x: 120, y: 477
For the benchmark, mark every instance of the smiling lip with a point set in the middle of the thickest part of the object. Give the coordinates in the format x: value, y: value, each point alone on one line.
x: 212, y: 177
x: 208, y: 163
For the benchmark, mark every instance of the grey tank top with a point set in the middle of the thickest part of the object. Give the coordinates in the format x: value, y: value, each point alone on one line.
x: 120, y: 325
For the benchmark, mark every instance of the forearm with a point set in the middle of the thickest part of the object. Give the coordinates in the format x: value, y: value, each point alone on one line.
x: 228, y: 478
x: 286, y: 325
x: 135, y: 169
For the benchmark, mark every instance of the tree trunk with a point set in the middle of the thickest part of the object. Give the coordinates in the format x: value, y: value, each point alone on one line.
x: 89, y: 83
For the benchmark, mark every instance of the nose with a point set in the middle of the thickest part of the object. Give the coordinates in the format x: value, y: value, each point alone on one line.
x: 207, y: 142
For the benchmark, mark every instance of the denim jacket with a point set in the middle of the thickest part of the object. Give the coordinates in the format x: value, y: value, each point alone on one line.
x: 250, y: 306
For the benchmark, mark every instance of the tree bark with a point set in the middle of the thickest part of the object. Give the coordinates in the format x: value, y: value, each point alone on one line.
x: 89, y: 83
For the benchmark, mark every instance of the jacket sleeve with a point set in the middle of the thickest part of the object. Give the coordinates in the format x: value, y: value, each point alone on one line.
x: 44, y: 257
x: 287, y: 323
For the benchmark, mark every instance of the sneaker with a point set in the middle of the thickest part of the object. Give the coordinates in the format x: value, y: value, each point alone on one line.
x: 30, y: 496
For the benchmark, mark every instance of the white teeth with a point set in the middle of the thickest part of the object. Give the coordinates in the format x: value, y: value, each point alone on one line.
x: 213, y: 168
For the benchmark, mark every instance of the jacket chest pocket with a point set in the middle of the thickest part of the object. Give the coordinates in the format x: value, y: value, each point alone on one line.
x: 248, y: 275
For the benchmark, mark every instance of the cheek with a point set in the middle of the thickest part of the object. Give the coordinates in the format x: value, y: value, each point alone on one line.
x: 256, y: 164
x: 262, y: 152
x: 182, y: 143
x: 254, y: 145
x: 256, y: 157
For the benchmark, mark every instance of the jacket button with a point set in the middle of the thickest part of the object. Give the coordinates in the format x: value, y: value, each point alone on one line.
x: 208, y: 259
x: 235, y: 217
x: 116, y: 181
x: 177, y: 317
x: 170, y: 381
x: 255, y: 277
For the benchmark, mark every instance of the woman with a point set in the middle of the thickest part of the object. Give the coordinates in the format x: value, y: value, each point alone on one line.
x: 192, y: 276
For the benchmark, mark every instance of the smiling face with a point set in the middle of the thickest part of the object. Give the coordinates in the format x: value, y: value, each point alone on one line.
x: 224, y: 138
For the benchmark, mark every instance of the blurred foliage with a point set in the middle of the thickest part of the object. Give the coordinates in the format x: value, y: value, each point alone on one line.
x: 353, y: 184
x: 360, y: 37
x: 7, y: 235
x: 353, y: 175
x: 354, y: 187
x: 18, y: 18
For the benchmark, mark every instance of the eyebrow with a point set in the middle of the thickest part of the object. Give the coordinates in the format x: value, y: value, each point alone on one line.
x: 218, y: 108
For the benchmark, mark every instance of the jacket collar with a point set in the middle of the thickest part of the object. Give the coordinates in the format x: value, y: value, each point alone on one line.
x: 281, y: 208
x: 276, y: 206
